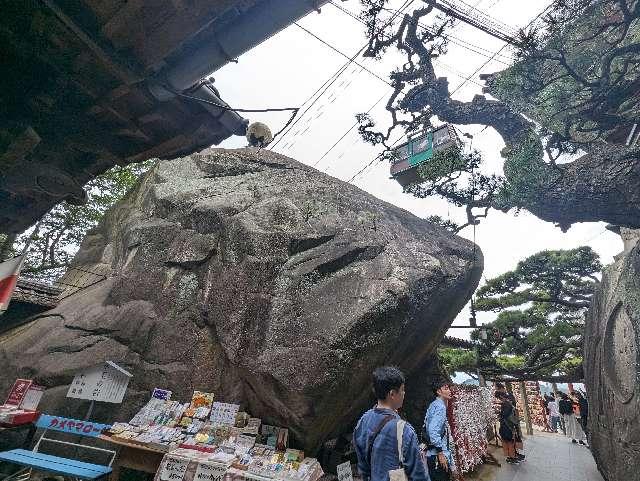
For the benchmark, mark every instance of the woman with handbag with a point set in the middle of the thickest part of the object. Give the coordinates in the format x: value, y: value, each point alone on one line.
x: 508, y: 429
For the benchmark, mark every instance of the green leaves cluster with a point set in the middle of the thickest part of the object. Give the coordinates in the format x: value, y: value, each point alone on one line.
x: 578, y: 71
x: 539, y: 327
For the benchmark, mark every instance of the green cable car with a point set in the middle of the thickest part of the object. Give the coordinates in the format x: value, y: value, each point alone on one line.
x: 419, y: 149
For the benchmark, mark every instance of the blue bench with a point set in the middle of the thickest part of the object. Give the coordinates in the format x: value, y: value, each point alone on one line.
x: 73, y: 468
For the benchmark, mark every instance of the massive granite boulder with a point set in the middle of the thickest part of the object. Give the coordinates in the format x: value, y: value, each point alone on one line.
x: 256, y: 277
x: 612, y: 365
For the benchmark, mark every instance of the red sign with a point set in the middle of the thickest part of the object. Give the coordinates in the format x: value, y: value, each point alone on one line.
x: 18, y: 391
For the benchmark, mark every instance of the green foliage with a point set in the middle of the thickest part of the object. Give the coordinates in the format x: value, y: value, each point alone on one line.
x: 444, y: 163
x: 528, y: 178
x: 565, y: 278
x: 579, y: 70
x: 457, y: 360
x: 541, y: 306
x: 63, y: 228
x: 446, y: 223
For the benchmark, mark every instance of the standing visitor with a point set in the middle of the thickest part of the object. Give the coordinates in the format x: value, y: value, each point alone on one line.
x: 579, y: 432
x: 507, y: 429
x: 573, y: 429
x: 544, y: 402
x: 519, y: 444
x: 583, y: 405
x: 554, y: 414
x: 439, y: 459
x: 376, y: 439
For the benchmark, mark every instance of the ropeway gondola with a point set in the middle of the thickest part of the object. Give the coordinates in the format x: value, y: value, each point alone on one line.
x: 418, y: 149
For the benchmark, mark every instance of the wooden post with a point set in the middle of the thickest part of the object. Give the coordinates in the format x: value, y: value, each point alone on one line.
x: 525, y: 408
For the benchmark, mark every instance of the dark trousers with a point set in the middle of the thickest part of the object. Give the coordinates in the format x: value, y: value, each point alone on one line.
x: 436, y: 473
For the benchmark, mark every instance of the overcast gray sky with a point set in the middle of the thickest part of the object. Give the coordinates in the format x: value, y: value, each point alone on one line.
x: 286, y: 69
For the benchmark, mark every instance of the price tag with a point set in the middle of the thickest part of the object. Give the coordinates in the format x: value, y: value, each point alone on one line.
x: 344, y: 472
x: 210, y: 472
x: 174, y: 469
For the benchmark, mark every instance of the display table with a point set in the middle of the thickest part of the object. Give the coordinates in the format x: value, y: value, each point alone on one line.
x: 190, y: 469
x: 134, y: 456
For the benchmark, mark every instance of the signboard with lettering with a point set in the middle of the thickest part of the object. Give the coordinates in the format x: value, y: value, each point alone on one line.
x: 344, y: 472
x: 161, y: 394
x: 72, y: 426
x: 210, y: 472
x: 32, y: 397
x: 18, y: 392
x: 173, y: 469
x: 106, y: 382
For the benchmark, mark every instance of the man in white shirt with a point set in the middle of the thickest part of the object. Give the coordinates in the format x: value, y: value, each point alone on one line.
x: 554, y: 415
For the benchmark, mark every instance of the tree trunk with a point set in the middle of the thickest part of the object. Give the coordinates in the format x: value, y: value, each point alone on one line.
x: 525, y: 408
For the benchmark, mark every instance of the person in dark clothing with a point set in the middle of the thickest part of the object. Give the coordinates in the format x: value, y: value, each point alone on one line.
x: 516, y: 416
x: 584, y: 410
x: 376, y: 437
x: 573, y: 429
x: 507, y: 429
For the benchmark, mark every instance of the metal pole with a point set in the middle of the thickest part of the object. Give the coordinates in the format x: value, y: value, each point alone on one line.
x: 525, y: 408
x: 89, y: 411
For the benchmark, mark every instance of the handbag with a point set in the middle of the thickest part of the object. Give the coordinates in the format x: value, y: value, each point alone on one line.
x: 399, y: 474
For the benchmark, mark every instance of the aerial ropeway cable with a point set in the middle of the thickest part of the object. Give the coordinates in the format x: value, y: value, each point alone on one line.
x: 479, y: 20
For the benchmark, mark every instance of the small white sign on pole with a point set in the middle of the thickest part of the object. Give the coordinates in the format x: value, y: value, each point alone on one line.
x: 210, y: 472
x: 344, y: 472
x: 105, y: 382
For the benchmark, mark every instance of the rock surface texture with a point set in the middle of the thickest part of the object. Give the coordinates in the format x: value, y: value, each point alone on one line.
x: 612, y: 365
x: 260, y: 279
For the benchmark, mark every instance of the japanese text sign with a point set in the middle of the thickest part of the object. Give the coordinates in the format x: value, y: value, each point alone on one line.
x: 210, y: 472
x: 72, y: 426
x: 173, y: 469
x: 107, y: 383
x: 18, y: 392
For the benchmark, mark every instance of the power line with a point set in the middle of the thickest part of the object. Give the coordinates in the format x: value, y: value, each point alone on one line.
x: 324, y: 87
x: 461, y: 43
x: 461, y: 85
x: 343, y: 54
x: 348, y: 131
x: 455, y: 40
x: 497, y: 52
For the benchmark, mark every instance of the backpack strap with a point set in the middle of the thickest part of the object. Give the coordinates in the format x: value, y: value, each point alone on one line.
x: 399, y: 432
x: 372, y: 439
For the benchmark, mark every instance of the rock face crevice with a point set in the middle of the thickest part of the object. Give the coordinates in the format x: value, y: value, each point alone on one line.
x: 612, y: 365
x: 258, y: 278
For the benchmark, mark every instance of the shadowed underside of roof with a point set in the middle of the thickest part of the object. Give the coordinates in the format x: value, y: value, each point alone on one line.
x: 89, y: 84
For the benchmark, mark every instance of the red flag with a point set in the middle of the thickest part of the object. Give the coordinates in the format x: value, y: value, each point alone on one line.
x: 9, y: 272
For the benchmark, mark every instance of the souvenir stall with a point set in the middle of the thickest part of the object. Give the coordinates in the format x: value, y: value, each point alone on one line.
x: 206, y: 440
x: 471, y: 413
x: 19, y: 412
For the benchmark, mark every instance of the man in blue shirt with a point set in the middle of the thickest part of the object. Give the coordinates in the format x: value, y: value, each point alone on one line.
x: 439, y: 459
x: 375, y: 436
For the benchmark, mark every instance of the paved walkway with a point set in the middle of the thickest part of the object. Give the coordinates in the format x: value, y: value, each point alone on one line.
x: 551, y: 457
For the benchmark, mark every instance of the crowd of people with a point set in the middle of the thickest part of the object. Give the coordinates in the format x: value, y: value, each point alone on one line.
x: 389, y: 449
x: 567, y: 413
